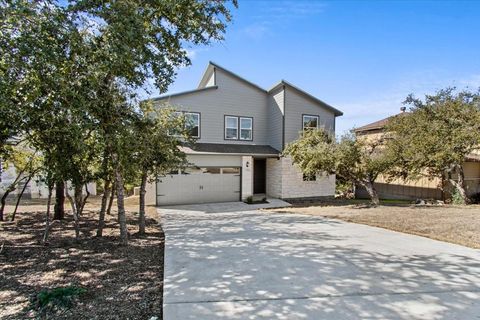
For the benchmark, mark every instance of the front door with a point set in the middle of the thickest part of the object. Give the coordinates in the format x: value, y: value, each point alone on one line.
x: 259, y: 176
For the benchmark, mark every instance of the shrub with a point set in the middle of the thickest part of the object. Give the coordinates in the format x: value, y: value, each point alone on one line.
x: 57, y: 298
x: 249, y: 200
x: 456, y: 197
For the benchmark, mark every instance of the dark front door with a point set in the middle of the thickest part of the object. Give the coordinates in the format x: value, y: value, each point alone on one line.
x: 259, y: 176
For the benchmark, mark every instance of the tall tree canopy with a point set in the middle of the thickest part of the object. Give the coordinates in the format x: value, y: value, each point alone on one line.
x: 69, y: 76
x: 436, y: 136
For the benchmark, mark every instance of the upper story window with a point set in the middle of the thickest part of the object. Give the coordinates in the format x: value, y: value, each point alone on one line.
x: 231, y: 128
x: 310, y: 122
x: 192, y: 123
x: 238, y: 128
x: 246, y: 128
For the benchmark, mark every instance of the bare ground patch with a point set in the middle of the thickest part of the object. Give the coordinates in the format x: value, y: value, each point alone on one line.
x: 121, y: 282
x: 455, y: 224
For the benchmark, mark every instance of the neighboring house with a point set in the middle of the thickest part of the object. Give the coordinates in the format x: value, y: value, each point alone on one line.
x: 422, y: 188
x: 36, y: 189
x: 241, y: 130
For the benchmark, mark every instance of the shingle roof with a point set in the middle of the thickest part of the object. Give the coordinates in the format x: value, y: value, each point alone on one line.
x: 377, y: 125
x: 231, y: 149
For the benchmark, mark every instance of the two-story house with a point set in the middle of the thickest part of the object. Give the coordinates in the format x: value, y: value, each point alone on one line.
x: 241, y: 130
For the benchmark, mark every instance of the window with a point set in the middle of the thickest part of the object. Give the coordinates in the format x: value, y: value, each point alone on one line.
x: 246, y: 128
x: 194, y: 170
x: 310, y: 122
x: 230, y: 170
x: 309, y: 177
x: 192, y: 124
x: 234, y: 124
x: 231, y: 128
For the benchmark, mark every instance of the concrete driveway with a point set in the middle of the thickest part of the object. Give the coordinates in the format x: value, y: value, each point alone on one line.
x: 222, y: 262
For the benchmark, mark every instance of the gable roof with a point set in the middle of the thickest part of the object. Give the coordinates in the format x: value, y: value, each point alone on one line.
x: 377, y: 125
x: 212, y: 66
x: 307, y: 95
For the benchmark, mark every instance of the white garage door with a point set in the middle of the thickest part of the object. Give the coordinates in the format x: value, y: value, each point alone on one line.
x: 199, y: 185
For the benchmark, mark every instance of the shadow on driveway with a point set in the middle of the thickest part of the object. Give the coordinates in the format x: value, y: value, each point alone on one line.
x: 252, y: 265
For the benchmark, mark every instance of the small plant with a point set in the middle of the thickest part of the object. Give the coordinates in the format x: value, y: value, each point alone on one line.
x: 249, y: 200
x: 49, y: 300
x: 457, y: 198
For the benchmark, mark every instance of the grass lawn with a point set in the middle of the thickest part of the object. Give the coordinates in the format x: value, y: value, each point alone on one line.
x: 120, y: 282
x: 455, y: 224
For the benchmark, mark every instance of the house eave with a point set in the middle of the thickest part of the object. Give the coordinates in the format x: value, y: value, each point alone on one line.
x: 167, y: 96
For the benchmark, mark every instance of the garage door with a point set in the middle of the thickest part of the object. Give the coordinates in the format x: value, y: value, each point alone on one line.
x: 199, y: 185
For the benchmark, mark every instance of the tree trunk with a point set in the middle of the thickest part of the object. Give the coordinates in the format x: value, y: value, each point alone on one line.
x: 20, y: 196
x: 84, y: 200
x: 76, y: 223
x: 59, y: 207
x: 459, y: 184
x: 371, y: 192
x: 47, y: 215
x: 141, y: 210
x: 103, y: 208
x: 78, y: 197
x: 122, y: 220
x: 10, y: 188
x: 3, y: 201
x: 110, y: 201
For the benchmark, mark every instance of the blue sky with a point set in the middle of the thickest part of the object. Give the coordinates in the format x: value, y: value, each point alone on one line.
x: 362, y: 57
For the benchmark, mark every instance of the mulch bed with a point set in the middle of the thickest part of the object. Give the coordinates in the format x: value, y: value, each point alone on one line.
x: 120, y: 282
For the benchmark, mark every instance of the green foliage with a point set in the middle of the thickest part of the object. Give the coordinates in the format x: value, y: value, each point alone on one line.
x: 351, y: 159
x: 138, y: 40
x: 457, y: 198
x: 435, y: 137
x: 155, y: 151
x: 69, y: 77
x: 249, y: 200
x: 50, y: 300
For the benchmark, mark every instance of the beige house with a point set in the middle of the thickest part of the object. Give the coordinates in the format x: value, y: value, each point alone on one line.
x: 422, y: 188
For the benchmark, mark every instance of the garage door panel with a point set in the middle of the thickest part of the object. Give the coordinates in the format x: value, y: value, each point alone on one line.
x: 199, y: 185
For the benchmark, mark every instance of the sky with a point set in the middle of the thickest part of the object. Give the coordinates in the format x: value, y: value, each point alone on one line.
x: 362, y: 57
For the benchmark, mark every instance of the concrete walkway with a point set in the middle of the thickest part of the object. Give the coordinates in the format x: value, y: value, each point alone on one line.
x: 237, y: 264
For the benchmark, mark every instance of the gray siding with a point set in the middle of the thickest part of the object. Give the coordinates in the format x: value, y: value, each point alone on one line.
x: 232, y: 97
x: 296, y: 105
x: 275, y: 116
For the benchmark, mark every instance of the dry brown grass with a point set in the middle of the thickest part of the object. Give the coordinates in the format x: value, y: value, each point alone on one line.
x: 121, y: 282
x: 455, y: 224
